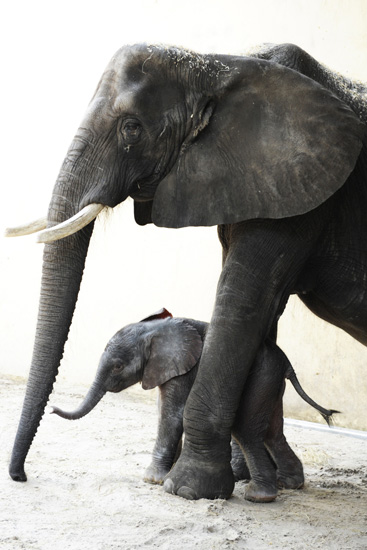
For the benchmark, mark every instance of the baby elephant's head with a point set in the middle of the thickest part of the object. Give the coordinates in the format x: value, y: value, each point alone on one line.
x: 152, y: 352
x: 124, y: 358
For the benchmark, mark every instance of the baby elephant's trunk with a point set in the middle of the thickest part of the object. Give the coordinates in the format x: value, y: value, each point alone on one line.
x: 93, y: 397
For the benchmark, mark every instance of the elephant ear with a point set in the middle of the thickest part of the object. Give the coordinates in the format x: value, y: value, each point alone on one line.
x: 174, y: 350
x: 277, y: 144
x: 161, y: 314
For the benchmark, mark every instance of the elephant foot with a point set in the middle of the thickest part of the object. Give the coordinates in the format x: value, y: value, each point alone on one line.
x: 193, y: 479
x: 257, y: 492
x: 155, y: 474
x: 289, y: 467
x: 290, y: 480
x: 291, y: 476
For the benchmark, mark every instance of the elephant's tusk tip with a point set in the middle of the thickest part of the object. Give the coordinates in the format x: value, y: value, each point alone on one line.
x: 26, y: 229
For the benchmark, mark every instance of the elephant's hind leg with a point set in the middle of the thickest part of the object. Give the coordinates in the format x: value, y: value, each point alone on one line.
x: 289, y: 467
x: 238, y: 462
x: 250, y: 428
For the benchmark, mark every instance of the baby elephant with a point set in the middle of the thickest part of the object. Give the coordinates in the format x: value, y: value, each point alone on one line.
x: 164, y: 351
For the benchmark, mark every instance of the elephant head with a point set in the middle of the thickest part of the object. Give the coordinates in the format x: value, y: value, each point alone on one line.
x: 152, y: 352
x: 194, y: 140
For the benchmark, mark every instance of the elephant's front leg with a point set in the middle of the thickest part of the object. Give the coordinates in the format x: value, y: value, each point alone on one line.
x: 260, y: 270
x: 172, y: 398
x: 210, y: 411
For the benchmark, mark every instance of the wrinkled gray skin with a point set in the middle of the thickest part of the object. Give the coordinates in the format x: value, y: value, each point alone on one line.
x: 274, y: 159
x: 165, y: 352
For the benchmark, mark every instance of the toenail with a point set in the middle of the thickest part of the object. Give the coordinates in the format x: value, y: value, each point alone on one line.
x: 168, y: 486
x: 186, y: 492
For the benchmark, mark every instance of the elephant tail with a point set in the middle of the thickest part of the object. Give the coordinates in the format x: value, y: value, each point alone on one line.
x: 327, y: 414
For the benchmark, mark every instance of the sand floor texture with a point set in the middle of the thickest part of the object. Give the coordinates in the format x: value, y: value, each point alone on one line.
x: 85, y: 488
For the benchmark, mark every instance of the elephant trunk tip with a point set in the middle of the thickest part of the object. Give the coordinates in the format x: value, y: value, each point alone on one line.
x: 60, y: 412
x: 93, y: 397
x: 18, y: 475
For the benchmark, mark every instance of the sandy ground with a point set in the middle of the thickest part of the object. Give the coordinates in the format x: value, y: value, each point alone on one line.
x: 85, y: 488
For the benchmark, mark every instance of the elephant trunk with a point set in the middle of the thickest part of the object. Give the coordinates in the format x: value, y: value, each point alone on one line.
x: 63, y: 265
x: 92, y: 398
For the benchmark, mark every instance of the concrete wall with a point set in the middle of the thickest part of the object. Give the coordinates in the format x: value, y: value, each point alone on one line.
x: 55, y: 54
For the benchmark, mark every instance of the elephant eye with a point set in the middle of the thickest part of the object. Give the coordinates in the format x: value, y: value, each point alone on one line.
x: 131, y: 131
x: 118, y: 368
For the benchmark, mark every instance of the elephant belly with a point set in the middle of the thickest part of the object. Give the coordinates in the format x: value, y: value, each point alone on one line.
x: 340, y: 296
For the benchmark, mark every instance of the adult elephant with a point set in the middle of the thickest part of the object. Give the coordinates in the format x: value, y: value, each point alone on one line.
x: 273, y: 158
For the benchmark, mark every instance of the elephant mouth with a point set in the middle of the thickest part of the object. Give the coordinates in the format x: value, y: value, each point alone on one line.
x: 59, y: 231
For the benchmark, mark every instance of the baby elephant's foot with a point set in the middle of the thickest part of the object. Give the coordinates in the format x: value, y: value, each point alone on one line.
x: 289, y: 467
x: 259, y: 492
x: 290, y: 480
x: 192, y: 479
x: 155, y: 474
x: 290, y: 475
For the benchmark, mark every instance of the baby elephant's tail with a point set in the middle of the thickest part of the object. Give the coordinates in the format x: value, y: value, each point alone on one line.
x: 327, y: 414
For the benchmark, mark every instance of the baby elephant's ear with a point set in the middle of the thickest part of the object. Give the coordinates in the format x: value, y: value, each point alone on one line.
x: 277, y: 145
x: 161, y: 314
x: 174, y: 350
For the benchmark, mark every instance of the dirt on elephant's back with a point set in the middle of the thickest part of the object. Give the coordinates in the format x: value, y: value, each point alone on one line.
x: 85, y: 487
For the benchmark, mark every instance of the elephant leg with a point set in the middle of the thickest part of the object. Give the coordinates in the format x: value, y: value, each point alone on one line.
x: 262, y: 393
x: 172, y: 398
x: 238, y: 462
x: 203, y: 469
x: 261, y: 268
x: 289, y: 467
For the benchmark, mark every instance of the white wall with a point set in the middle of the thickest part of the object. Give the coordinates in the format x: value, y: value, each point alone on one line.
x: 53, y: 56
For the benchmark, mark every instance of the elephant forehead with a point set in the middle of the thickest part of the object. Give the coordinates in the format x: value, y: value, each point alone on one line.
x: 130, y: 60
x: 125, y: 339
x: 135, y: 82
x: 125, y: 73
x: 149, y: 102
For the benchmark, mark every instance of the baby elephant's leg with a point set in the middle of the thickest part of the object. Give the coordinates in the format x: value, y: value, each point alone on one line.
x: 264, y: 387
x: 167, y: 448
x: 289, y: 467
x: 238, y: 462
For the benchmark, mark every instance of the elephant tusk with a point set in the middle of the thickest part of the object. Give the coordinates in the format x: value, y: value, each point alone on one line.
x: 72, y: 225
x: 26, y: 229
